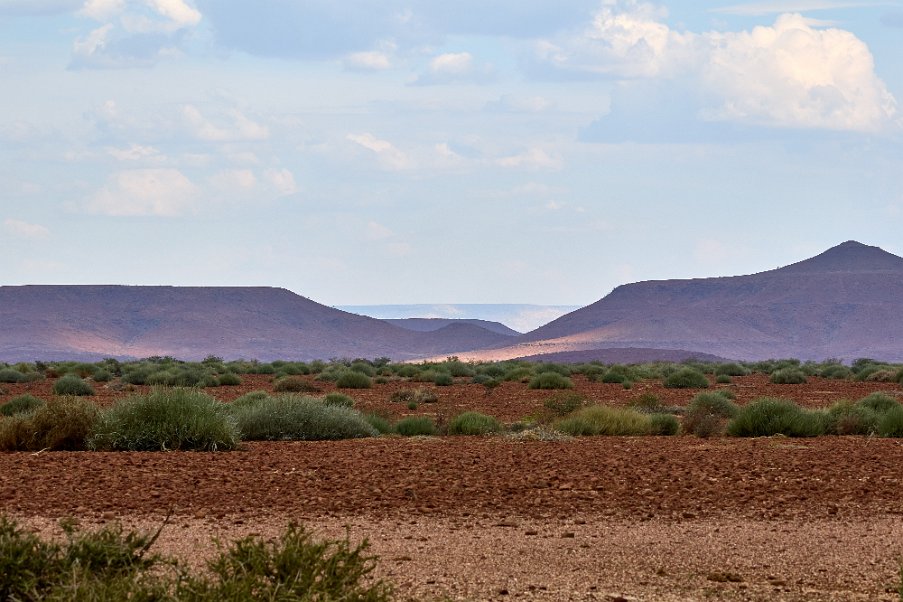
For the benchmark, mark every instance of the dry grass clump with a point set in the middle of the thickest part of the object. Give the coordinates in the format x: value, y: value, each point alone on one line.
x: 59, y: 424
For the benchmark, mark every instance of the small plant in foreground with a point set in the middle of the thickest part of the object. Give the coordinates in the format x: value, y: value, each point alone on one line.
x: 473, y: 423
x: 166, y: 419
x: 20, y: 405
x: 59, y: 424
x: 413, y: 426
x: 686, y: 378
x: 72, y: 385
x: 769, y: 416
x: 551, y: 380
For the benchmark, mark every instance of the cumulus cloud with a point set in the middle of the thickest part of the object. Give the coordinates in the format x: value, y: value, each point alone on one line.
x: 24, y: 229
x: 455, y: 67
x: 389, y: 156
x: 145, y: 192
x: 233, y: 126
x: 792, y: 74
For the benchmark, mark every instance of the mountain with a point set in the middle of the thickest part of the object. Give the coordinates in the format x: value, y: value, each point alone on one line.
x: 519, y: 317
x: 91, y: 322
x: 434, y: 324
x: 844, y: 303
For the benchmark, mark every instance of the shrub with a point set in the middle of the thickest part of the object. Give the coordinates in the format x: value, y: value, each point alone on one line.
x: 551, y: 380
x: 353, y: 380
x: 249, y: 398
x: 294, y: 384
x: 338, y: 399
x: 601, y: 420
x: 616, y: 377
x: 769, y: 416
x: 415, y: 426
x: 380, y: 423
x: 101, y: 376
x: 878, y: 402
x: 723, y: 379
x: 473, y: 423
x: 59, y: 424
x: 518, y: 374
x: 290, y: 417
x: 686, y: 378
x: 419, y: 395
x: 564, y: 403
x: 836, y: 371
x: 788, y: 376
x: 229, y: 379
x: 20, y: 405
x: 363, y: 368
x: 166, y: 419
x: 663, y: 424
x: 72, y: 385
x: 846, y: 418
x: 891, y: 423
x: 730, y: 369
x: 443, y: 379
x: 882, y: 376
x: 11, y: 376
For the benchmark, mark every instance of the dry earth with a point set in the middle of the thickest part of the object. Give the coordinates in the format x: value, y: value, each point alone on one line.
x: 467, y: 518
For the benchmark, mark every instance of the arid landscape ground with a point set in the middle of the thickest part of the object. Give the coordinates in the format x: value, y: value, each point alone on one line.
x: 505, y: 517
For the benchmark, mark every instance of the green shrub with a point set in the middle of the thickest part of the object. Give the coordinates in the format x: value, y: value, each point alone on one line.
x: 166, y: 419
x: 473, y: 423
x: 770, y: 416
x: 20, y: 405
x: 723, y: 379
x: 602, y: 420
x: 363, y: 368
x: 380, y: 423
x: 59, y: 424
x: 686, y: 378
x: 229, y: 379
x: 102, y: 376
x: 443, y: 379
x: 338, y: 399
x: 412, y: 405
x: 72, y: 385
x: 11, y: 376
x: 290, y: 417
x: 788, y: 376
x: 564, y: 403
x: 550, y: 380
x: 891, y: 423
x: 353, y: 380
x: 663, y: 424
x: 878, y: 402
x: 419, y: 395
x: 294, y: 384
x: 249, y: 398
x: 615, y: 377
x: 730, y: 369
x: 413, y: 426
x: 835, y: 371
x: 847, y: 418
x: 518, y: 374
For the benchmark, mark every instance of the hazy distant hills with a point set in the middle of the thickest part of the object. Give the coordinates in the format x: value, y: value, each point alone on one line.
x: 519, y: 317
x: 844, y: 303
x: 91, y: 322
x: 434, y: 324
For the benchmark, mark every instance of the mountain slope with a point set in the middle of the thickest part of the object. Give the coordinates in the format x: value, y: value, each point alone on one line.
x: 434, y: 324
x: 844, y: 303
x: 88, y: 322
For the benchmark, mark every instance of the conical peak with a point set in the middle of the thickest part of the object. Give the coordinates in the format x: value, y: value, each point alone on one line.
x: 850, y: 256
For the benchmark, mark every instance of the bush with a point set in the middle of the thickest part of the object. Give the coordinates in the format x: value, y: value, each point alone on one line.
x: 59, y: 424
x: 101, y: 376
x: 788, y: 376
x: 353, y: 380
x: 72, y: 385
x: 380, y: 423
x: 564, y: 403
x: 663, y: 424
x: 769, y: 416
x: 338, y: 399
x: 229, y: 379
x: 413, y: 426
x: 835, y: 371
x: 891, y: 423
x: 289, y: 417
x: 878, y: 402
x: 11, y: 376
x: 443, y: 379
x: 250, y: 398
x: 166, y: 419
x: 847, y: 418
x: 20, y: 405
x: 730, y: 369
x: 419, y: 395
x: 473, y: 423
x: 551, y: 380
x: 723, y: 379
x: 518, y: 374
x: 615, y: 377
x: 294, y: 384
x: 601, y: 420
x: 686, y: 378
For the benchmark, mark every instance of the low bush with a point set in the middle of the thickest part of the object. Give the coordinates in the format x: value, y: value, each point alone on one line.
x: 20, y: 405
x: 473, y: 423
x: 663, y: 424
x: 730, y: 369
x: 249, y: 398
x: 102, y: 376
x: 443, y: 379
x: 891, y: 423
x: 723, y: 379
x: 550, y: 380
x: 353, y: 380
x: 229, y: 379
x: 294, y: 384
x: 338, y: 399
x: 563, y: 404
x: 290, y: 417
x: 518, y: 374
x: 770, y: 416
x: 11, y: 376
x: 602, y: 420
x: 59, y: 424
x: 380, y: 423
x: 615, y: 377
x: 878, y: 402
x: 788, y: 376
x: 847, y: 418
x: 708, y: 413
x: 72, y: 385
x: 835, y: 371
x: 166, y: 419
x: 419, y: 395
x: 413, y: 426
x: 686, y: 378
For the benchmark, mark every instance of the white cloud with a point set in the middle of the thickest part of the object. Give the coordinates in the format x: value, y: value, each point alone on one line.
x: 533, y: 157
x: 282, y: 181
x: 145, y: 192
x: 774, y: 7
x: 177, y: 11
x: 239, y: 126
x: 792, y: 74
x: 455, y: 67
x: 134, y: 152
x: 367, y: 61
x: 389, y: 156
x: 102, y: 10
x: 23, y: 229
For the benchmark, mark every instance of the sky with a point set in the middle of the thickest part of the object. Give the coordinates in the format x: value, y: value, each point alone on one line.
x: 420, y: 151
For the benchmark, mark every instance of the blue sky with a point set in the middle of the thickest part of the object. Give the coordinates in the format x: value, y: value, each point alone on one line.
x: 416, y: 151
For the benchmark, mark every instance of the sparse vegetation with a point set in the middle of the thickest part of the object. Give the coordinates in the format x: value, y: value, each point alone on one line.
x: 707, y: 414
x: 294, y: 384
x: 473, y: 423
x: 20, y: 405
x: 788, y: 376
x: 353, y: 380
x: 602, y: 420
x: 416, y: 396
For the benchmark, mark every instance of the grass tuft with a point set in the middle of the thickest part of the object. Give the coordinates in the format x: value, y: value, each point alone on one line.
x: 473, y: 423
x: 294, y: 418
x: 686, y: 378
x: 551, y: 380
x: 602, y: 420
x: 770, y: 416
x: 22, y: 404
x: 72, y: 385
x: 59, y: 424
x: 413, y: 426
